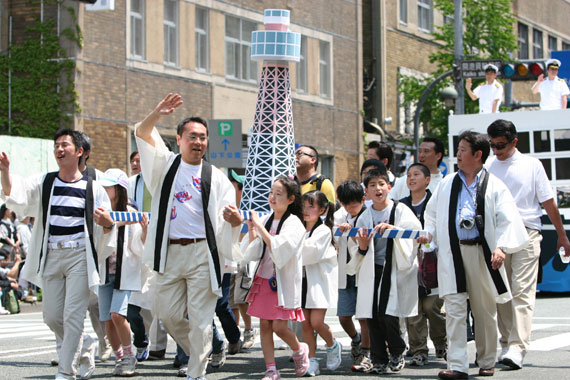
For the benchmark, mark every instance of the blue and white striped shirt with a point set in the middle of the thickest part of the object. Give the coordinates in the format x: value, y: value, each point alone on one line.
x: 67, y: 214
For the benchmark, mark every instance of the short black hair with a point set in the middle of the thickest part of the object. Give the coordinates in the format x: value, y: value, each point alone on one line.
x: 373, y: 174
x: 439, y: 146
x: 195, y: 119
x: 502, y: 128
x: 373, y: 162
x: 133, y: 155
x: 76, y: 136
x: 383, y: 151
x: 315, y: 151
x: 349, y: 191
x: 476, y: 141
x: 424, y: 169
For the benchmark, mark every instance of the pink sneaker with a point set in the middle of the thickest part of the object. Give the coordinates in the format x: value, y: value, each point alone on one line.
x: 301, y: 360
x: 272, y: 374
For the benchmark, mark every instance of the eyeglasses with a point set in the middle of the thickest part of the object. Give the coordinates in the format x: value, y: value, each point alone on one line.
x: 193, y: 138
x: 498, y: 146
x: 299, y: 153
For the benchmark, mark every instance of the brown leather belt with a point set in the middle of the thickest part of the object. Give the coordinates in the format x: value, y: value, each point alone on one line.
x: 185, y: 241
x: 471, y: 242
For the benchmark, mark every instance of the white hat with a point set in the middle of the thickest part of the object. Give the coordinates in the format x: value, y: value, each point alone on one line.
x: 490, y: 66
x: 114, y: 177
x: 553, y: 62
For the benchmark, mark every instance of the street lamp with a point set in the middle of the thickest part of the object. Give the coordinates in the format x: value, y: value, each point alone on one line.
x: 448, y: 94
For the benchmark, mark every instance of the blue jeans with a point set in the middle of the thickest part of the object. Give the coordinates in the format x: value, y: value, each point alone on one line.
x: 225, y: 314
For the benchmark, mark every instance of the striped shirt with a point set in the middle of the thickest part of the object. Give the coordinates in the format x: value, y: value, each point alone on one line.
x: 67, y: 213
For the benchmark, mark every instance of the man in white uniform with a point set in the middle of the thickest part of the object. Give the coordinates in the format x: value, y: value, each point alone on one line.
x: 527, y: 181
x: 490, y: 94
x: 473, y: 219
x: 194, y: 226
x: 431, y: 155
x: 553, y: 90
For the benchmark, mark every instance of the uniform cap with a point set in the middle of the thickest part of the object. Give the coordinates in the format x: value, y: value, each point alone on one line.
x: 553, y: 63
x: 490, y: 67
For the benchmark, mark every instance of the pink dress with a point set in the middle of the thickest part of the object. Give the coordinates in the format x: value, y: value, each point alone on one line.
x: 262, y: 299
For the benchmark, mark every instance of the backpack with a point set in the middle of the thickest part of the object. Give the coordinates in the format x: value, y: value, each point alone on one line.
x: 318, y: 181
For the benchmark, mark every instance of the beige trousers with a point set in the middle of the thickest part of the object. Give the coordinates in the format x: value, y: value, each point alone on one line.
x: 484, y: 311
x: 515, y: 316
x: 66, y: 296
x: 183, y: 290
x: 429, y: 308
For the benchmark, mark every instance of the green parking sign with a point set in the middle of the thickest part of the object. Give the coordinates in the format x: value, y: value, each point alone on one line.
x: 225, y: 128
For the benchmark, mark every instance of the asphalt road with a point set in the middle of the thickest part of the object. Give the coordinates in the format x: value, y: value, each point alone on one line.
x: 27, y: 345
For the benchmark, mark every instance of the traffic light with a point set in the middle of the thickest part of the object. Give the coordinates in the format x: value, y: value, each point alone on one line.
x: 518, y: 71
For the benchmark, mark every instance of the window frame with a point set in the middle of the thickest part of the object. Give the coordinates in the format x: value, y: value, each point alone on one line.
x: 425, y: 7
x: 133, y: 17
x: 523, y: 42
x: 537, y: 43
x: 302, y: 82
x: 403, y: 12
x: 167, y: 26
x: 325, y: 63
x: 239, y: 42
x: 205, y: 34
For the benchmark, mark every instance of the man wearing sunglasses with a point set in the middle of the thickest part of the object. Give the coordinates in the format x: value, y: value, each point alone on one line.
x: 525, y: 177
x: 553, y: 90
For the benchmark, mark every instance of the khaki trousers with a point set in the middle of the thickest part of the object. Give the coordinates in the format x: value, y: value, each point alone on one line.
x: 484, y: 311
x: 184, y: 289
x: 66, y: 296
x: 429, y: 308
x: 515, y: 316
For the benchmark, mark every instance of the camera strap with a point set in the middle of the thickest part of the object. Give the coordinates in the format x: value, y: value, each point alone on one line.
x: 480, y: 208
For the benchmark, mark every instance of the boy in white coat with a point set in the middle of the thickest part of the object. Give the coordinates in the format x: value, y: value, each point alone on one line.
x: 392, y: 264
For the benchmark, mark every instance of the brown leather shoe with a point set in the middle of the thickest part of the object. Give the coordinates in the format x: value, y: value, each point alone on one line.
x: 486, y: 371
x: 451, y: 374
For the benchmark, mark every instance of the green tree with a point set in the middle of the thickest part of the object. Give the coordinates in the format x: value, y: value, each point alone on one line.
x: 42, y: 87
x: 487, y: 33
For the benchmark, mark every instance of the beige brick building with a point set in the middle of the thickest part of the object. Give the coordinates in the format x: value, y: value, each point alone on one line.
x: 405, y: 42
x: 136, y: 51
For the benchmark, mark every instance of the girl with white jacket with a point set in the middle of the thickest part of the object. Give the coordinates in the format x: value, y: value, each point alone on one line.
x: 320, y: 283
x: 275, y: 295
x: 120, y: 273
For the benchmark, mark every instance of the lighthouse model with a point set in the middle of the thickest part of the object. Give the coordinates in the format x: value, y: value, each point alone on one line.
x: 272, y: 145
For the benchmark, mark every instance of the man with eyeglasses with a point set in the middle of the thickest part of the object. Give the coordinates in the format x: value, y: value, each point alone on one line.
x: 195, y: 224
x: 553, y: 90
x: 307, y: 160
x: 526, y: 179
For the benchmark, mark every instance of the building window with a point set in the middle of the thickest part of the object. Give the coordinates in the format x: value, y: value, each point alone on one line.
x: 404, y: 11
x: 238, y: 50
x: 137, y: 29
x: 325, y: 68
x: 327, y: 166
x: 302, y: 67
x: 201, y: 33
x: 537, y: 46
x: 171, y: 32
x: 565, y: 46
x: 552, y: 45
x: 448, y: 20
x: 523, y: 41
x: 425, y: 15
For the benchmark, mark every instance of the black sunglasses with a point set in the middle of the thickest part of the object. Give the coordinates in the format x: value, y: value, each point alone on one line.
x: 498, y: 146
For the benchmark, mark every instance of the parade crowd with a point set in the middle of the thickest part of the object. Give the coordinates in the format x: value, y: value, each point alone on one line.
x: 471, y: 275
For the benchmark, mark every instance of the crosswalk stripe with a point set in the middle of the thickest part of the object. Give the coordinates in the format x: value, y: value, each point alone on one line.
x: 551, y: 343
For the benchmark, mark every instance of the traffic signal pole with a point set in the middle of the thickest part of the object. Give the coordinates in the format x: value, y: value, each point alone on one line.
x: 458, y: 29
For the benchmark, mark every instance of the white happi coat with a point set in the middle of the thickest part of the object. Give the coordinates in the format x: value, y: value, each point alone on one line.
x: 285, y: 252
x: 343, y: 245
x: 155, y: 162
x: 131, y: 265
x: 321, y: 268
x: 403, y: 298
x: 26, y: 199
x: 503, y: 228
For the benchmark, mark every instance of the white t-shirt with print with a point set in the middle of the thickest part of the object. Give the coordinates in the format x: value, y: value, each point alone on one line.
x: 187, y: 212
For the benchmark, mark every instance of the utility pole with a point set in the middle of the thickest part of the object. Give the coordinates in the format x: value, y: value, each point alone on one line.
x: 458, y: 29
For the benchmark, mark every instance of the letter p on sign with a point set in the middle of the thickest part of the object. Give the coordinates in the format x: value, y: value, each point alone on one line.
x: 225, y: 128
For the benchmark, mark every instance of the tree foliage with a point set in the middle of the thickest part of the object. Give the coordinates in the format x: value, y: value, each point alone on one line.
x: 487, y: 33
x: 43, y: 96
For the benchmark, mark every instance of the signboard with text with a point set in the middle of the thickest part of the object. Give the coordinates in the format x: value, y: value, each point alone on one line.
x: 475, y: 69
x: 225, y: 143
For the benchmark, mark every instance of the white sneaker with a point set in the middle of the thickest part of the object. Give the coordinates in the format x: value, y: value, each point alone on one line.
x: 504, y: 351
x: 513, y: 358
x: 87, y: 358
x: 105, y: 351
x: 59, y: 376
x: 334, y: 356
x: 127, y: 366
x: 314, y: 369
x: 249, y: 338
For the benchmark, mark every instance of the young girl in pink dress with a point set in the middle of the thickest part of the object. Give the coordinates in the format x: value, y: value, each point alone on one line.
x: 275, y: 296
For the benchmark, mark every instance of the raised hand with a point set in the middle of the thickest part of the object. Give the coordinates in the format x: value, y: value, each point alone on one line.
x: 468, y: 83
x: 167, y: 105
x: 4, y: 162
x: 541, y: 78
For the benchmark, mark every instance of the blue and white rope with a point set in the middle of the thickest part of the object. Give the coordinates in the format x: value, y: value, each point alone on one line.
x: 128, y: 216
x: 387, y: 234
